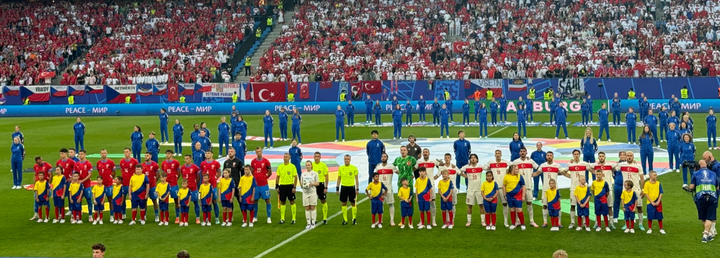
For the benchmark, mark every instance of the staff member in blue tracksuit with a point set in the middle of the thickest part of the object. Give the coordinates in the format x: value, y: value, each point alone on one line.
x: 652, y: 121
x: 553, y: 110
x: 462, y: 150
x: 240, y: 147
x: 164, y: 136
x: 368, y: 109
x: 644, y: 107
x: 663, y: 123
x: 296, y: 121
x: 647, y: 141
x: 687, y: 153
x: 178, y: 132
x: 529, y: 105
x: 590, y: 103
x: 618, y: 187
x: 711, y: 121
x: 539, y: 157
x: 268, y: 123
x: 79, y: 129
x: 503, y: 108
x: 194, y: 135
x: 223, y: 137
x: 233, y: 128
x: 466, y: 113
x: 203, y: 127
x: 449, y: 104
x: 421, y: 109
x: 483, y: 120
x: 685, y: 118
x: 374, y: 150
x: 205, y: 143
x: 136, y: 140
x: 198, y: 154
x: 283, y: 121
x: 494, y: 106
x: 397, y: 122
x: 241, y: 127
x: 675, y: 106
x: 560, y: 118
x: 615, y: 108
x: 671, y: 100
x: 630, y: 123
x: 585, y: 110
x: 673, y: 146
x: 408, y: 113
x: 18, y: 155
x: 588, y: 145
x: 515, y: 145
x: 558, y: 103
x: 394, y: 102
x: 444, y: 120
x: 296, y: 156
x: 521, y: 120
x: 603, y: 122
x: 350, y: 110
x: 19, y: 134
x: 673, y: 119
x: 152, y: 146
x: 476, y: 104
x: 339, y: 123
x: 436, y: 112
x: 378, y: 109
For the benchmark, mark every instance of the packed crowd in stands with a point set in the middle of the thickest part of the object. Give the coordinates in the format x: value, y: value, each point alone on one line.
x: 408, y: 40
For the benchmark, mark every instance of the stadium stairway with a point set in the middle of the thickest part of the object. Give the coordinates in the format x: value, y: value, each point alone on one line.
x: 267, y: 39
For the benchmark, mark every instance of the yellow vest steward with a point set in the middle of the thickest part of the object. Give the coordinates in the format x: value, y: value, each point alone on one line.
x: 683, y: 93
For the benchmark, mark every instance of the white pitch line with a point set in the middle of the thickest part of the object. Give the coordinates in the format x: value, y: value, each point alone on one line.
x: 497, y: 131
x: 301, y: 233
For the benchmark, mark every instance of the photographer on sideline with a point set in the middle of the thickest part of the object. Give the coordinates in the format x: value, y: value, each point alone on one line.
x: 705, y: 184
x: 712, y: 163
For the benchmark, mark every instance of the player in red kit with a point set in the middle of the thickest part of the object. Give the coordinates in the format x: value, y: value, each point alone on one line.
x: 84, y: 168
x: 171, y: 167
x: 210, y: 167
x: 127, y: 169
x: 190, y: 175
x: 150, y: 168
x: 67, y: 165
x: 262, y: 170
x: 106, y: 171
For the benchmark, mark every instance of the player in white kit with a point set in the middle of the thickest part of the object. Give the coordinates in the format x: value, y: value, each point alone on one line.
x: 549, y: 171
x: 607, y: 170
x: 386, y: 171
x: 499, y: 168
x: 429, y: 165
x: 475, y: 176
x: 446, y: 164
x: 576, y: 167
x: 633, y: 171
x: 526, y: 168
x: 309, y: 181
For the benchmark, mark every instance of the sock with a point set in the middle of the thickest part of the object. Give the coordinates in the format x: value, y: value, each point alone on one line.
x: 268, y: 208
x: 494, y: 218
x: 627, y: 224
x: 325, y: 210
x: 521, y: 217
x: 640, y: 218
x: 422, y: 217
x: 57, y: 212
x: 433, y: 211
x: 230, y: 216
x: 314, y: 216
x: 225, y: 216
x: 255, y: 209
x: 197, y: 210
x: 486, y: 217
x: 62, y: 211
x: 444, y: 213
x: 391, y: 209
x: 95, y: 216
x: 579, y: 221
x: 649, y: 224
x: 469, y: 218
x: 512, y: 218
x: 505, y: 214
x: 252, y: 214
x: 157, y: 211
x: 244, y: 213
x: 134, y: 214
x: 354, y: 211
x: 344, y: 212
x: 307, y: 217
x: 531, y: 213
x: 293, y: 211
x: 611, y: 216
x: 402, y: 221
x: 142, y: 215
x: 40, y: 213
x: 597, y: 220
x: 47, y: 212
x: 282, y: 212
x: 380, y: 217
x: 373, y: 218
x: 452, y: 219
x: 545, y: 214
x: 632, y: 224
x: 177, y: 212
x: 162, y: 216
x: 483, y: 218
x: 607, y: 222
x: 410, y: 220
x: 559, y: 219
x: 427, y: 217
x: 660, y: 224
x: 572, y: 217
x: 216, y: 209
x: 587, y: 221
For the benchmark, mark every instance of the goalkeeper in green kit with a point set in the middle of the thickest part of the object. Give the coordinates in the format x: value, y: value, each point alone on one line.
x: 405, y: 165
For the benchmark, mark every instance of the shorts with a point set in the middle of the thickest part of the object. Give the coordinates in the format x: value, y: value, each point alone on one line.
x: 512, y: 203
x: 42, y: 203
x: 184, y: 209
x: 76, y: 206
x: 286, y: 193
x: 139, y: 203
x: 611, y: 194
x: 554, y: 212
x: 206, y: 208
x: 544, y: 199
x: 654, y: 213
x: 174, y: 192
x: 310, y: 199
x: 501, y: 197
x: 707, y: 208
x: 638, y: 196
x: 389, y: 198
x: 347, y: 193
x: 320, y: 191
x: 99, y: 207
x: 163, y: 206
x: 490, y: 207
x: 601, y: 208
x: 376, y: 207
x: 631, y: 215
x: 474, y: 198
x: 446, y: 206
x: 247, y: 206
x: 406, y: 211
x: 528, y: 195
x: 573, y: 200
x: 262, y: 192
x: 117, y: 208
x: 58, y: 202
x: 227, y: 204
x: 194, y: 196
x: 423, y: 205
x: 583, y: 211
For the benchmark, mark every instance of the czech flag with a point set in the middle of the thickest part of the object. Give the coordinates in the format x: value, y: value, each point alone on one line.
x: 76, y: 90
x: 59, y: 91
x: 160, y: 89
x: 145, y: 89
x: 205, y: 87
x: 117, y: 93
x: 93, y: 89
x: 186, y: 89
x: 11, y: 90
x: 36, y: 93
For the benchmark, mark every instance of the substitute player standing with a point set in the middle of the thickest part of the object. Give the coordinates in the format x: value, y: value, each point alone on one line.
x: 429, y: 166
x: 348, y: 179
x: 285, y: 187
x: 310, y: 180
x: 474, y: 174
x: 499, y: 168
x: 262, y: 170
x: 576, y: 168
x: 323, y: 179
x: 549, y: 171
x: 526, y: 167
x: 385, y: 172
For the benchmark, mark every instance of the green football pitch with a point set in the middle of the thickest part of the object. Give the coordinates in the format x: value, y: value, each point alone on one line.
x: 45, y: 136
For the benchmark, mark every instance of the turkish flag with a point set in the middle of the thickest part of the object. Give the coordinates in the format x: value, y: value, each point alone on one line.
x: 304, y: 90
x: 371, y: 87
x: 292, y: 87
x: 459, y: 45
x: 269, y: 92
x: 325, y: 85
x: 173, y: 92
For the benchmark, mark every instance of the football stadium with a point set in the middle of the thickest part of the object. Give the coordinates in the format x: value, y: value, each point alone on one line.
x: 273, y: 128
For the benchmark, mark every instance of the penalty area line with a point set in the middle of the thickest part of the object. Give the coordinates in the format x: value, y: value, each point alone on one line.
x: 302, y: 232
x: 493, y: 133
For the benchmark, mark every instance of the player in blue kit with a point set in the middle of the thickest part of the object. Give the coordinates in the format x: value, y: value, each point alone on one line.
x: 560, y: 119
x: 378, y: 110
x: 397, y: 122
x: 240, y: 146
x: 339, y: 123
x: 350, y: 111
x: 223, y: 136
x: 178, y: 132
x: 711, y: 121
x: 521, y: 120
x: 630, y: 123
x: 466, y: 113
x: 444, y: 117
x: 421, y: 109
x: 296, y: 121
x: 462, y: 150
x: 136, y: 139
x: 436, y: 112
x: 493, y: 111
x: 651, y: 121
x: 79, y: 129
x: 283, y: 121
x: 529, y: 104
x: 153, y: 146
x: 615, y: 108
x: 368, y: 109
x: 268, y: 123
x: 374, y: 150
x: 482, y: 120
x: 164, y: 136
x: 408, y: 113
x: 603, y: 122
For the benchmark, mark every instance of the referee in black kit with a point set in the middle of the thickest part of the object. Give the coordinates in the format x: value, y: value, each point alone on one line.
x: 414, y: 150
x: 236, y: 170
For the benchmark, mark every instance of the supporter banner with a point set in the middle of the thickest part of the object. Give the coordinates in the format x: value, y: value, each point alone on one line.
x: 59, y: 91
x: 517, y: 85
x: 571, y: 86
x: 482, y: 86
x: 36, y: 93
x: 222, y: 90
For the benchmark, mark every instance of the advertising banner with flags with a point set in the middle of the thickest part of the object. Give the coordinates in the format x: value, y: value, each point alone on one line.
x: 304, y: 88
x: 160, y: 89
x: 268, y: 92
x: 36, y: 93
x: 482, y: 86
x: 11, y: 90
x: 59, y: 91
x: 205, y: 87
x: 90, y: 89
x: 458, y: 46
x: 144, y: 89
x: 173, y: 92
x: 117, y: 93
x: 186, y: 89
x: 517, y: 85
